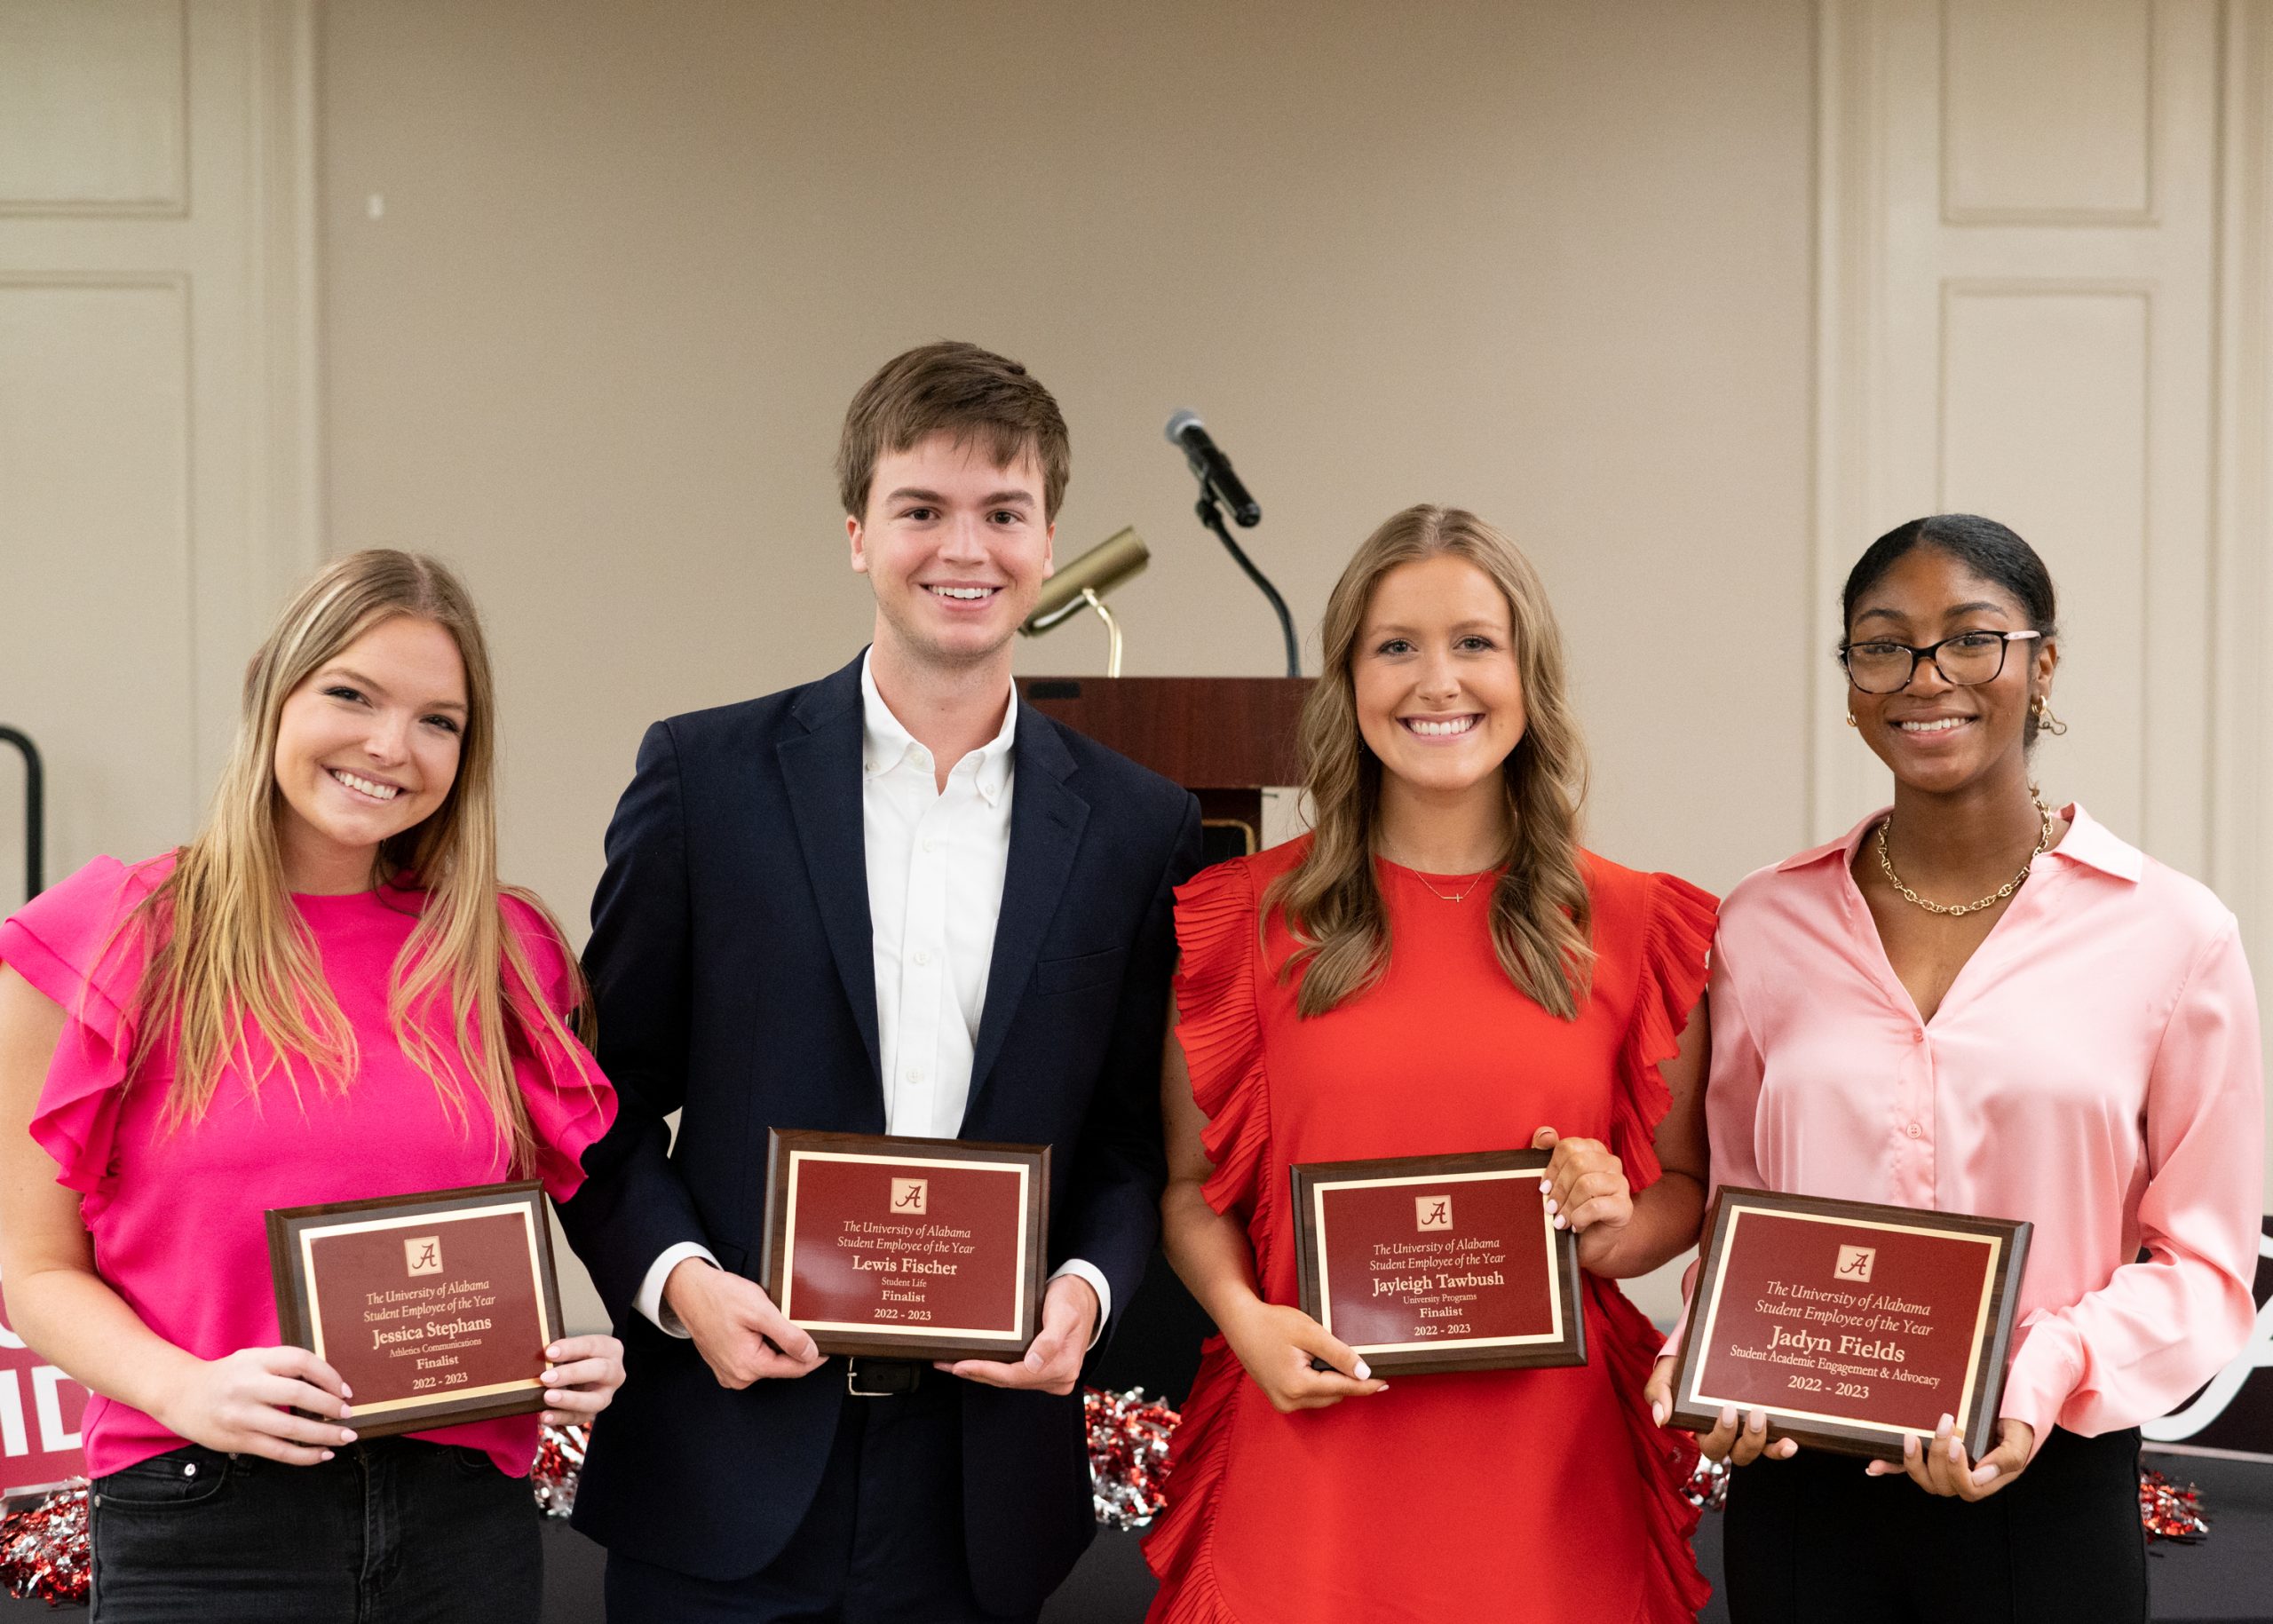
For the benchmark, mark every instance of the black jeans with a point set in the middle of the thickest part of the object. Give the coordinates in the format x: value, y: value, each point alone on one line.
x: 388, y: 1532
x: 1813, y: 1540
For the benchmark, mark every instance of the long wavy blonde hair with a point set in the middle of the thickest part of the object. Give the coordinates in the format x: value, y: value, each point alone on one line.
x: 228, y: 954
x: 1331, y: 901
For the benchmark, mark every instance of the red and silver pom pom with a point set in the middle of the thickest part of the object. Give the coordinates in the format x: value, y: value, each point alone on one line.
x: 2170, y: 1512
x: 559, y: 1462
x: 1708, y: 1488
x: 1129, y: 1452
x: 44, y: 1550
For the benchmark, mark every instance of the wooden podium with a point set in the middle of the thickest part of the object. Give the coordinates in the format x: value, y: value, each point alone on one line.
x: 1226, y: 739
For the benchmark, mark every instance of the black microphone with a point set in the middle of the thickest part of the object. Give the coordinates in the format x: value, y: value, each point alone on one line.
x: 1212, y: 468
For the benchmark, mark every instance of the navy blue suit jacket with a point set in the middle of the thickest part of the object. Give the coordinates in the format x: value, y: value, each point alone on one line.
x: 732, y: 963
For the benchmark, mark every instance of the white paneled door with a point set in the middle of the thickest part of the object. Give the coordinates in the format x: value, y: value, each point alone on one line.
x: 157, y: 472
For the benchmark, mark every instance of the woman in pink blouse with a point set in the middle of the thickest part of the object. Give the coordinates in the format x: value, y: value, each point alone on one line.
x: 325, y: 996
x: 1975, y: 1004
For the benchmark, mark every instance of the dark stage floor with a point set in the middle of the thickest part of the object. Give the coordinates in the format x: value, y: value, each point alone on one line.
x: 2226, y: 1579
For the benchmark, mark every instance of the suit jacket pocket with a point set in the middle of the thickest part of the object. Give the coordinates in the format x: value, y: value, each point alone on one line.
x: 1079, y: 972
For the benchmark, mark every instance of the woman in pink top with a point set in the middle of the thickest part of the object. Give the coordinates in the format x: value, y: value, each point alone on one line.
x: 1974, y: 1003
x: 325, y: 996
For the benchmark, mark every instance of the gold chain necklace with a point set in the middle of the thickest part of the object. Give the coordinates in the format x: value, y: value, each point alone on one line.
x: 2043, y: 844
x: 1461, y: 895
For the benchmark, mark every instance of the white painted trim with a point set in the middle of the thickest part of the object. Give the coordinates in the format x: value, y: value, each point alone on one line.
x: 1849, y: 320
x: 2241, y: 699
x: 288, y: 484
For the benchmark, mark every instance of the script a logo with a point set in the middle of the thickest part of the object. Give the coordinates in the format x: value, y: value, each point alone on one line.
x: 909, y: 1196
x: 1855, y: 1264
x: 1432, y: 1211
x: 423, y: 1254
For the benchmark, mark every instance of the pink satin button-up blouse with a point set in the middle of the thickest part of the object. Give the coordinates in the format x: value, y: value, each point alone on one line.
x: 2094, y: 1069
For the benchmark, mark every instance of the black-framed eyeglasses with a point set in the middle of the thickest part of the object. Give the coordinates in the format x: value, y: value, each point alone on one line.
x: 1965, y: 661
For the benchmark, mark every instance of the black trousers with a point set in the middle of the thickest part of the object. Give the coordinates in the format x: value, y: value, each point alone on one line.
x: 883, y: 1542
x: 388, y: 1532
x: 1813, y: 1540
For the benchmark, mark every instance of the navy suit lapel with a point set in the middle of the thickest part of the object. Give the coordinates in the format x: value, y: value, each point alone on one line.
x: 822, y: 770
x: 1046, y: 823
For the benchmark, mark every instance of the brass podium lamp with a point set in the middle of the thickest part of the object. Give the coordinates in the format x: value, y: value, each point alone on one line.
x: 1083, y: 584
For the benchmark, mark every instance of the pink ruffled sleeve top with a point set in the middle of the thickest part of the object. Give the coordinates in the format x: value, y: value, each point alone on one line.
x: 2094, y: 1069
x: 178, y: 1214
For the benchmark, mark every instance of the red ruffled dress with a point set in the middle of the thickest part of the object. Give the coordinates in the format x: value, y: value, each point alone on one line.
x: 1448, y: 1499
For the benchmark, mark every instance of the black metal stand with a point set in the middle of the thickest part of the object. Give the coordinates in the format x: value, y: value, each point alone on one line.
x: 35, y: 811
x: 1212, y: 516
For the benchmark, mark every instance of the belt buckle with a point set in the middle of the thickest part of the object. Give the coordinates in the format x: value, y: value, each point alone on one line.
x: 898, y: 1379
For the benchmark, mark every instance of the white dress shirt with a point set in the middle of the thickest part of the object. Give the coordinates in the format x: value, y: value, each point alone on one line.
x: 936, y: 859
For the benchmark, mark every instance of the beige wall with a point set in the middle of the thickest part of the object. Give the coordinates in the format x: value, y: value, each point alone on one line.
x: 598, y: 280
x: 1550, y: 261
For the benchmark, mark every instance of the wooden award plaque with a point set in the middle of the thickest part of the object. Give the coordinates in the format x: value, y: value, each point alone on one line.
x: 1438, y: 1262
x: 909, y: 1248
x: 1852, y: 1325
x: 435, y: 1309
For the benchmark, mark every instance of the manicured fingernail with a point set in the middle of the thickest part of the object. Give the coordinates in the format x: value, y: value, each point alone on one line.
x: 324, y: 1455
x: 1561, y: 1222
x: 1910, y: 1446
x: 346, y: 1392
x: 550, y: 1376
x: 553, y: 1353
x: 1946, y: 1423
x: 1544, y: 1186
x: 1877, y: 1468
x: 346, y: 1410
x: 1758, y: 1423
x: 345, y: 1436
x: 556, y: 1397
x: 1551, y: 1204
x: 1365, y: 1371
x: 1729, y: 1416
x: 1984, y: 1473
x: 1657, y: 1411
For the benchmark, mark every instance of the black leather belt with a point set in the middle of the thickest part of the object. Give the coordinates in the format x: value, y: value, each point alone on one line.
x: 874, y: 1378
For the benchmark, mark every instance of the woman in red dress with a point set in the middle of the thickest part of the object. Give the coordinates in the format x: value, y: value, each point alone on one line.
x: 1439, y: 968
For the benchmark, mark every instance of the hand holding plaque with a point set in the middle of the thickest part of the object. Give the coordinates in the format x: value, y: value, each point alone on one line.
x: 1852, y: 1325
x: 435, y: 1309
x: 909, y: 1248
x: 1438, y: 1262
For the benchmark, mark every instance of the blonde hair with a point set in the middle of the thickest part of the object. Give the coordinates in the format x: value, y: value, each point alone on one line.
x: 228, y: 953
x: 1541, y: 918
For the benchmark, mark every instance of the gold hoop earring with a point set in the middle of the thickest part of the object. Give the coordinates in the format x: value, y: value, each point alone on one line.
x: 1851, y: 722
x: 2045, y: 720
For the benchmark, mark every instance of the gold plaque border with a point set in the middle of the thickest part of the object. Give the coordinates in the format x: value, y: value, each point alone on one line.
x: 927, y: 1331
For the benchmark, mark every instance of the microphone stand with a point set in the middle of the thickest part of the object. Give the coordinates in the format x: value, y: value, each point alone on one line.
x: 1212, y: 516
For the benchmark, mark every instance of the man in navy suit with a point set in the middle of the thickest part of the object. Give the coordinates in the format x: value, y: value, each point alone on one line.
x: 892, y: 900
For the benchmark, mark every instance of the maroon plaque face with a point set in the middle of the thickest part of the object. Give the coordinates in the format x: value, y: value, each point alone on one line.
x: 434, y: 1309
x: 918, y: 1248
x: 1852, y: 1325
x: 1438, y: 1262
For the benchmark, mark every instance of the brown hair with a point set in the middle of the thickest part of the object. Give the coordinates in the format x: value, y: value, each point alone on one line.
x: 1541, y: 918
x: 958, y: 389
x: 228, y: 953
